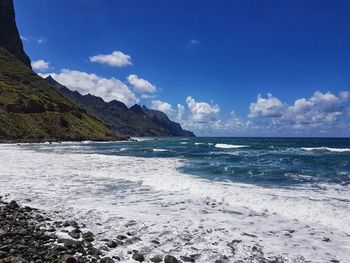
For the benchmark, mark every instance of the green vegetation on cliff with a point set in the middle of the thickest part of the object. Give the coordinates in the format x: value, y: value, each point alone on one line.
x: 31, y: 110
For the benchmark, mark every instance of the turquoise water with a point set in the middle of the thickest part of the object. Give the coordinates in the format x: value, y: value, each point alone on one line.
x: 270, y: 162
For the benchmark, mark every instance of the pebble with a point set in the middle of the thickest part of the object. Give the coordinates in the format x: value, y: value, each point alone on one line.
x: 28, y: 236
x: 75, y: 233
x: 156, y: 259
x: 111, y: 244
x: 138, y: 257
x: 67, y: 259
x: 186, y: 259
x: 107, y: 260
x: 170, y: 259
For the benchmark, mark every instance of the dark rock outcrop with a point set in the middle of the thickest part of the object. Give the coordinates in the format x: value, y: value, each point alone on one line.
x: 134, y: 121
x: 9, y: 36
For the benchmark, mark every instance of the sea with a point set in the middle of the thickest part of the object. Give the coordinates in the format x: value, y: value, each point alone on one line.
x: 212, y: 199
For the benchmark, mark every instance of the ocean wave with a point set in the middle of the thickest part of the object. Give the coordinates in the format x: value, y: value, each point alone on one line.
x: 123, y: 149
x: 145, y: 188
x: 235, y: 153
x: 326, y: 149
x: 141, y: 139
x: 159, y: 150
x: 229, y: 146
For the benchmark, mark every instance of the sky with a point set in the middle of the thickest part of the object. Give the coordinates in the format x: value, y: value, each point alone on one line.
x: 220, y: 68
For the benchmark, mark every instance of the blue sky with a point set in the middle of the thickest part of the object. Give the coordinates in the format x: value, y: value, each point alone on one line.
x: 212, y: 57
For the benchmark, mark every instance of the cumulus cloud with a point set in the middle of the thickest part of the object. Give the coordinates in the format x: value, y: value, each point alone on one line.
x: 202, y: 112
x: 163, y: 106
x: 181, y: 113
x: 266, y: 107
x: 106, y: 88
x: 320, y: 108
x: 40, y: 65
x: 196, y: 116
x: 141, y: 85
x: 115, y: 59
x: 236, y: 122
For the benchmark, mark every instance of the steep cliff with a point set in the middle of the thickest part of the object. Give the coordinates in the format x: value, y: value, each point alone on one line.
x: 31, y: 110
x: 9, y: 36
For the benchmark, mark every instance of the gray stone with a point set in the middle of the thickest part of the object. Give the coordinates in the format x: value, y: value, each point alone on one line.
x: 170, y: 259
x: 156, y: 259
x: 111, y: 244
x: 138, y: 257
x: 106, y: 260
x: 75, y: 233
x: 67, y: 259
x: 186, y: 259
x: 88, y: 236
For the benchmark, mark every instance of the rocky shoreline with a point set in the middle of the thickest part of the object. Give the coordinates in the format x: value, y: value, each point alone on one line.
x: 28, y: 235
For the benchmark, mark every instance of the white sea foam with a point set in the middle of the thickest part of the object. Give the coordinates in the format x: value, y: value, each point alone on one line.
x: 340, y: 150
x: 229, y: 146
x: 233, y: 153
x: 123, y: 149
x: 159, y: 150
x: 188, y: 215
x: 141, y: 139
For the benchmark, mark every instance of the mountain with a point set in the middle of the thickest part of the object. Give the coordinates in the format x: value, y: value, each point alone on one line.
x: 9, y: 36
x: 30, y: 109
x: 134, y: 121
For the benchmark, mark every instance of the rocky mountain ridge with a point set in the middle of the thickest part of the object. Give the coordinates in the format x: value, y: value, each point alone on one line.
x: 134, y: 121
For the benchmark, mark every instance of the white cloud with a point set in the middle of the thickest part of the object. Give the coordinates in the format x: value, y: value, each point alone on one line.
x: 202, y: 112
x: 163, y: 106
x: 106, y: 88
x: 320, y: 108
x: 197, y: 116
x: 41, y: 40
x: 148, y: 96
x: 38, y: 40
x: 141, y: 85
x: 235, y: 122
x: 24, y: 38
x: 269, y: 107
x: 115, y: 59
x: 195, y: 42
x: 181, y: 113
x: 40, y: 65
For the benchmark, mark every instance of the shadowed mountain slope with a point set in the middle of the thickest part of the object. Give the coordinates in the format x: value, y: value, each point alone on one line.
x: 9, y: 36
x: 31, y: 110
x: 134, y: 121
